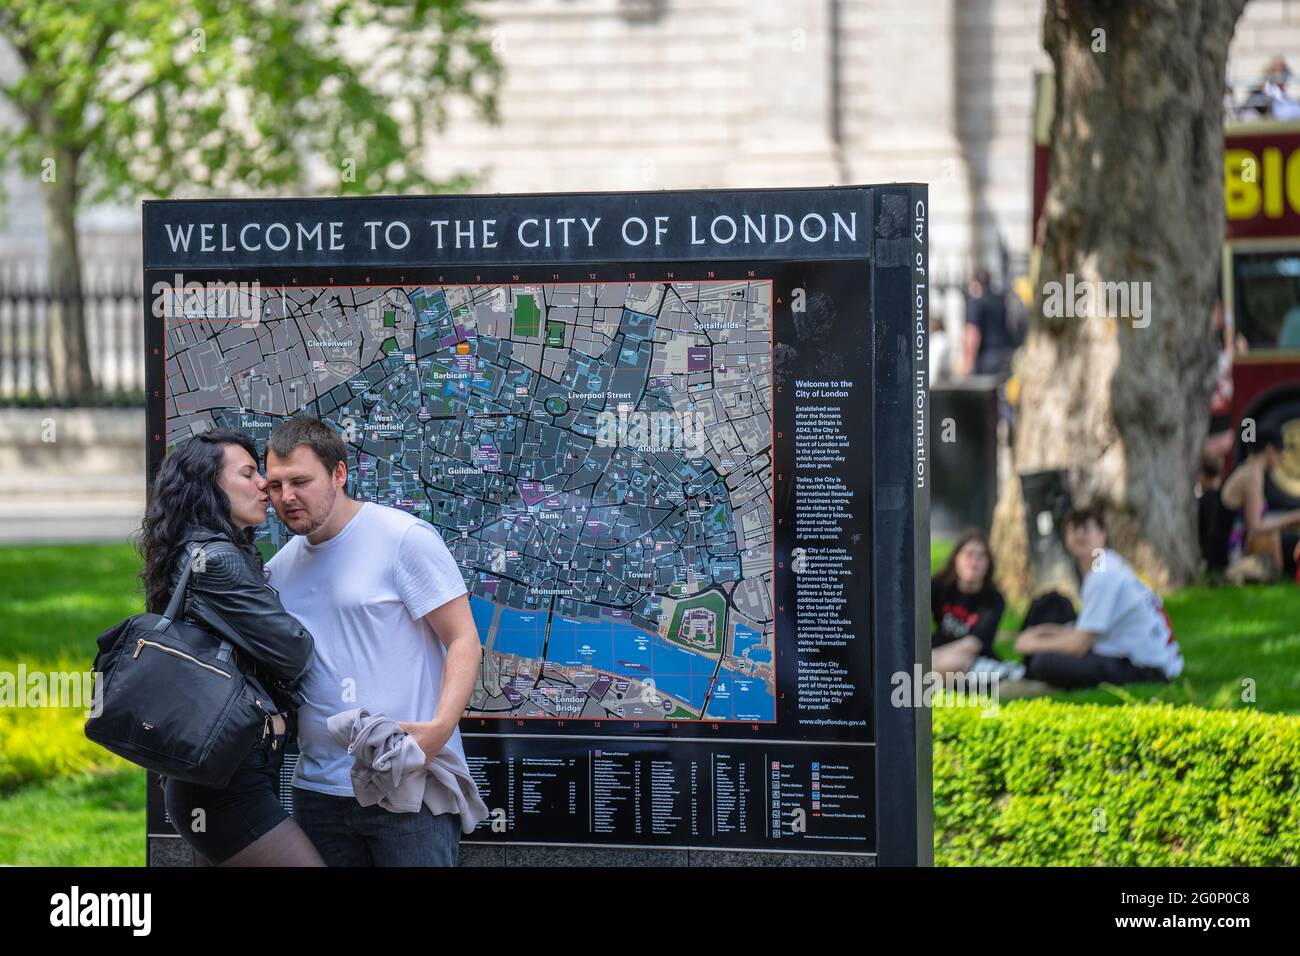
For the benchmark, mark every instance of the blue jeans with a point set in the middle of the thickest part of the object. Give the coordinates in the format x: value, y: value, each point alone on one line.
x: 348, y: 834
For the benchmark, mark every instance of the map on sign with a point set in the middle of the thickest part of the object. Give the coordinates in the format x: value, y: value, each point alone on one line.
x: 597, y: 457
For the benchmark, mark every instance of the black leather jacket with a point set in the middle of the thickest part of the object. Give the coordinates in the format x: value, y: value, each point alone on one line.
x: 228, y: 596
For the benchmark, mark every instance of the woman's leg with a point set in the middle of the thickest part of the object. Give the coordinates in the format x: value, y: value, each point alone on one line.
x: 285, y: 844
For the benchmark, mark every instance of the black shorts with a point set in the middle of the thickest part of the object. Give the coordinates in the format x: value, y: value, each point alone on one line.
x: 235, y: 815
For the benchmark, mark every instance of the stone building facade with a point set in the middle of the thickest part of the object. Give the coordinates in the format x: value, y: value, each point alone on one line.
x: 670, y: 94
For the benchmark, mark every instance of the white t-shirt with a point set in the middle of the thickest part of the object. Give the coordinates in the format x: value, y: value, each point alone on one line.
x: 363, y: 595
x: 1128, y: 615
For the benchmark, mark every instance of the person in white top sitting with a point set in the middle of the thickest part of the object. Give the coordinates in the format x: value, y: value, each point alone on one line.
x: 1122, y: 634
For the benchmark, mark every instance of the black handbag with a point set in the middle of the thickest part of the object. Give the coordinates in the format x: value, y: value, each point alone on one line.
x: 173, y: 700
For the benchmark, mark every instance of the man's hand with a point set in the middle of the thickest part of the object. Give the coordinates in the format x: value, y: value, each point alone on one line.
x: 431, y: 735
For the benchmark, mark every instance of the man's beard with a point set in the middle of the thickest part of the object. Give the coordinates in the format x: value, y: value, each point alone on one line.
x: 317, y: 523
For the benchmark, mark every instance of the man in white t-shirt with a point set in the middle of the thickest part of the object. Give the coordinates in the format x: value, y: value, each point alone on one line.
x: 389, y: 612
x: 1122, y: 634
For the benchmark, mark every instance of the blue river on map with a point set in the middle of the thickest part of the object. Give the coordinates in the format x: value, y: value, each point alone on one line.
x: 624, y: 649
x: 746, y: 638
x: 738, y: 697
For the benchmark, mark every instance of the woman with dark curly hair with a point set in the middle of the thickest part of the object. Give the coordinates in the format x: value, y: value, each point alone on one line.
x: 207, y: 500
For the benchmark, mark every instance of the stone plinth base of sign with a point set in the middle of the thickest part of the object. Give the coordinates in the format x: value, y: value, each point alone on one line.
x: 623, y: 856
x: 168, y: 851
x: 744, y: 858
x: 174, y: 852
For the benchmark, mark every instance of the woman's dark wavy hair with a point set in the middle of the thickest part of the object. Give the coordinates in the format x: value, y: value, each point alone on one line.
x: 185, y: 496
x: 948, y: 574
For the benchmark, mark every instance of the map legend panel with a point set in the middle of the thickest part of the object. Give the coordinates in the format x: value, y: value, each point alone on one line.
x: 641, y: 792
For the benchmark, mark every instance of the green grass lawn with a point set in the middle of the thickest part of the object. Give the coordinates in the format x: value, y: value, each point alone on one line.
x: 1235, y: 642
x: 58, y: 598
x: 55, y: 600
x: 87, y: 819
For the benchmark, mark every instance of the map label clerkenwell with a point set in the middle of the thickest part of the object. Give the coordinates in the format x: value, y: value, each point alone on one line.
x: 672, y: 441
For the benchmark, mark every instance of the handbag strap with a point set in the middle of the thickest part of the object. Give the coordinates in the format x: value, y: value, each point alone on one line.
x: 174, y: 605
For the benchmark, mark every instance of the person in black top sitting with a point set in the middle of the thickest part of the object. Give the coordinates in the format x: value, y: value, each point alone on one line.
x: 965, y: 605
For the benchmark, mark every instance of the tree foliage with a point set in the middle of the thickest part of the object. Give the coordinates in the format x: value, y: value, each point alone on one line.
x: 160, y: 97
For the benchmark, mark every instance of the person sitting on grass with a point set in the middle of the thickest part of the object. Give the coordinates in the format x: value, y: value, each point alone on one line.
x: 966, y: 608
x: 1247, y: 542
x: 1122, y: 634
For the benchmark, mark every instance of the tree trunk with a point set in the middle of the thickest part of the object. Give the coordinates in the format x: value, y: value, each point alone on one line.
x: 1118, y: 398
x: 68, y: 356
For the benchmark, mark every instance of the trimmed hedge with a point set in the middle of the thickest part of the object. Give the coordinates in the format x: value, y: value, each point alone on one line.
x: 1035, y: 783
x: 1048, y: 783
x: 40, y: 743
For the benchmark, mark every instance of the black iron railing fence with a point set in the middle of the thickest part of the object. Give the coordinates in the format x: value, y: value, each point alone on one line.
x: 112, y: 312
x: 113, y: 315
